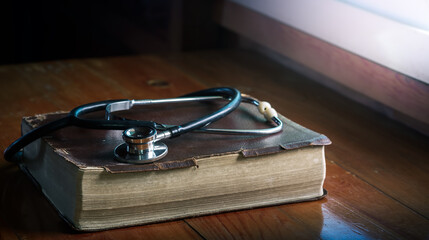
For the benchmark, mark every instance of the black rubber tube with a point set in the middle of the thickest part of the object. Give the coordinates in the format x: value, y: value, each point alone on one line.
x: 34, y: 134
x: 74, y: 119
x: 229, y: 93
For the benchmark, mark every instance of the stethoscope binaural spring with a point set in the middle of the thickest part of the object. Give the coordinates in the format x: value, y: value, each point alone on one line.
x: 142, y: 138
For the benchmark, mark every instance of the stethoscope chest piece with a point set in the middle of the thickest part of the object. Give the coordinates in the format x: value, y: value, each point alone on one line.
x: 140, y: 146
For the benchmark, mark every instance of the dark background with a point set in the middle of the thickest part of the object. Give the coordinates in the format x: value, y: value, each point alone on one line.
x: 48, y: 30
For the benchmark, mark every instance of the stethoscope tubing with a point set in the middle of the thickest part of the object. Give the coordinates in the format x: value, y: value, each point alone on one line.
x: 74, y: 118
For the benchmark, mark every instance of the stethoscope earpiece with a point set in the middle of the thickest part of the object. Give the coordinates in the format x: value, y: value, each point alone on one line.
x: 140, y: 147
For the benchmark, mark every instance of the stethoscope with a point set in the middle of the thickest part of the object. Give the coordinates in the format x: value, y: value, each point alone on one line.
x: 142, y: 138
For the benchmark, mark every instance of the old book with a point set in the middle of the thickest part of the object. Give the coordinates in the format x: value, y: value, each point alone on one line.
x: 201, y: 174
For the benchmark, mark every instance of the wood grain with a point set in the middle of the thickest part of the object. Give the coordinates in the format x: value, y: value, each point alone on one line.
x: 359, y: 197
x: 376, y: 170
x: 406, y: 97
x: 262, y: 223
x: 380, y: 152
x: 337, y: 220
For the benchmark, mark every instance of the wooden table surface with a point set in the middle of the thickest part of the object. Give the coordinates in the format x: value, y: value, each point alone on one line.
x: 377, y: 170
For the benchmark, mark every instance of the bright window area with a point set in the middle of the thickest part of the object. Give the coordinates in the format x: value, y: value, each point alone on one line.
x: 412, y: 12
x: 393, y: 33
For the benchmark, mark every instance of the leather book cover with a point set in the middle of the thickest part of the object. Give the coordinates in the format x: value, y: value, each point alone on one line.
x: 94, y: 148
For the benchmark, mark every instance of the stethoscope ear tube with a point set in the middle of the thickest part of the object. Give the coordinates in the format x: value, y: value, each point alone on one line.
x: 231, y: 94
x: 76, y: 118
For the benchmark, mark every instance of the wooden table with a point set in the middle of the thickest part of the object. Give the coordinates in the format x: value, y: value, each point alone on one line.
x: 377, y: 170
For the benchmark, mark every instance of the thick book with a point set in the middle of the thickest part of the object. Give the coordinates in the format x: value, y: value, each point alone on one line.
x: 201, y: 174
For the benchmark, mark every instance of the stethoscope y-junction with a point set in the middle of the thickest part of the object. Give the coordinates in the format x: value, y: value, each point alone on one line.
x: 142, y: 138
